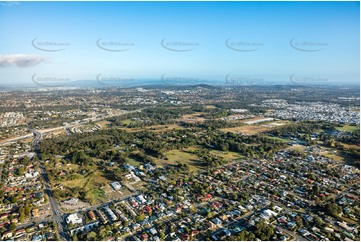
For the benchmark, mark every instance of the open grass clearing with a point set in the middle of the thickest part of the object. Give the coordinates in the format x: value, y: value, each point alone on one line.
x: 133, y: 162
x: 348, y: 128
x: 247, y: 129
x: 184, y: 157
x: 96, y: 185
x: 279, y: 139
x: 103, y: 124
x: 338, y: 156
x: 252, y: 129
x: 227, y: 155
x: 348, y: 146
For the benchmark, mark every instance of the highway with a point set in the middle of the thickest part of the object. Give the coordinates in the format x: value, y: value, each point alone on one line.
x: 12, y: 140
x: 66, y: 128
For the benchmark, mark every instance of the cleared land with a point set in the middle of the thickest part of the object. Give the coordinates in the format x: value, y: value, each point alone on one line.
x: 227, y: 155
x: 103, y: 124
x: 96, y: 185
x: 255, y: 128
x: 280, y: 139
x: 184, y: 157
x: 338, y: 156
x: 155, y: 128
x: 348, y: 128
x: 192, y: 118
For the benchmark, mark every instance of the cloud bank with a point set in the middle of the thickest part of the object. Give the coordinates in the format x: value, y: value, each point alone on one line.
x: 20, y: 60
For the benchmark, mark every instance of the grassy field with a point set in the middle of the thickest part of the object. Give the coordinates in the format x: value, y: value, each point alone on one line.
x: 280, y: 139
x: 348, y: 128
x: 184, y: 157
x: 251, y: 129
x: 348, y: 146
x: 103, y: 124
x: 192, y: 118
x: 133, y: 162
x: 228, y: 155
x: 297, y: 147
x: 96, y: 184
x: 76, y: 183
x: 337, y: 156
x: 128, y: 121
x: 247, y: 129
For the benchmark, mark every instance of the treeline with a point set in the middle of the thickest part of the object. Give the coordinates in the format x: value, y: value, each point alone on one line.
x: 116, y: 145
x: 250, y: 146
x: 300, y: 129
x: 152, y: 116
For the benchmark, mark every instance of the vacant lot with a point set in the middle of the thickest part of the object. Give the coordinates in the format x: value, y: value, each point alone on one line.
x: 227, y: 155
x: 252, y: 129
x: 348, y: 146
x: 128, y: 121
x: 348, y: 128
x: 247, y: 129
x: 279, y: 139
x: 338, y: 156
x: 192, y: 118
x: 103, y: 124
x: 96, y: 184
x: 133, y: 162
x: 184, y: 157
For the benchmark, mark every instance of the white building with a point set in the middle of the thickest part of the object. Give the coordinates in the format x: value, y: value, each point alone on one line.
x: 116, y: 185
x: 74, y: 219
x: 141, y: 199
x: 31, y: 174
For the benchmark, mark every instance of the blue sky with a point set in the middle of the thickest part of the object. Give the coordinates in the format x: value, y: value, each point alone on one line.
x: 306, y: 39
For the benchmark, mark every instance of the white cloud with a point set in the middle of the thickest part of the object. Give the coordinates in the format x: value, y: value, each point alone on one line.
x: 20, y: 60
x: 8, y: 3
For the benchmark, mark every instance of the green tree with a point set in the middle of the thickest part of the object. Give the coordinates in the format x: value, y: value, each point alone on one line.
x: 12, y: 226
x: 21, y: 171
x: 140, y: 217
x: 91, y: 235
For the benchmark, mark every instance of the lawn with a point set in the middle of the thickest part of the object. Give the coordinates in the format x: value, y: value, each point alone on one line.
x: 338, y: 156
x: 96, y: 196
x: 348, y: 128
x: 128, y: 121
x: 297, y: 147
x: 133, y: 162
x: 348, y: 146
x: 251, y: 129
x: 280, y: 139
x: 184, y: 157
x: 96, y: 185
x: 81, y: 182
x: 227, y: 155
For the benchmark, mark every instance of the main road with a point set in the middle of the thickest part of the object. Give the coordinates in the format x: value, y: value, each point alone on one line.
x: 57, y: 216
